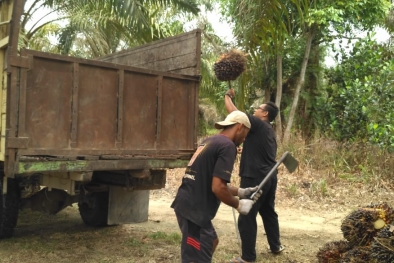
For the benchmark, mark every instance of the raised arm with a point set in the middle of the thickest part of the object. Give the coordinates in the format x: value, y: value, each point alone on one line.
x: 230, y: 107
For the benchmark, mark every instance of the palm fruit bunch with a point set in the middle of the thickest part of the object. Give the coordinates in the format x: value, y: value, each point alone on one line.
x: 362, y: 225
x: 386, y: 212
x: 230, y: 65
x: 382, y: 248
x: 331, y: 252
x: 356, y: 255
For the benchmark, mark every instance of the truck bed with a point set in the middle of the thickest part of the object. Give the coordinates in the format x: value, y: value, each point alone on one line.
x: 135, y: 109
x: 93, y: 110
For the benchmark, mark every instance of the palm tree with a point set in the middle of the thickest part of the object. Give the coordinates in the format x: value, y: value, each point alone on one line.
x: 262, y: 28
x: 107, y: 25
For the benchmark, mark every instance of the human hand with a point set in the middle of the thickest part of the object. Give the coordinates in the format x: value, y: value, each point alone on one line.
x: 244, y: 206
x: 246, y: 192
x: 256, y: 196
x: 231, y: 93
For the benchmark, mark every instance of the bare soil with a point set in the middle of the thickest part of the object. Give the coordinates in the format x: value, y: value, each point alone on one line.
x: 309, y: 217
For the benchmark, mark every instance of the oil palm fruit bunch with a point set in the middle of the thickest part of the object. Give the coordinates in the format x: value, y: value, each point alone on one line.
x: 230, y: 65
x: 382, y: 248
x: 356, y: 255
x: 362, y: 225
x: 331, y: 252
x: 385, y: 211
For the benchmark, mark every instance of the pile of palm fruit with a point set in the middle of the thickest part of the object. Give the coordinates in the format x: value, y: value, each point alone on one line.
x: 369, y: 237
x: 230, y: 65
x: 332, y: 251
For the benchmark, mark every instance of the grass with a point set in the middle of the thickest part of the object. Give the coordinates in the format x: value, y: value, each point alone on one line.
x: 319, y: 188
x: 134, y: 242
x: 50, y: 239
x: 170, y: 238
x: 333, y: 163
x: 292, y: 190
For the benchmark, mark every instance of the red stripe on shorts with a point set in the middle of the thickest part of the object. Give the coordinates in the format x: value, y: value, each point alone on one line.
x: 194, y: 243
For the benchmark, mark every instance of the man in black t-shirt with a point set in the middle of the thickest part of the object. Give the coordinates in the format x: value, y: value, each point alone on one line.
x: 257, y: 159
x: 205, y: 185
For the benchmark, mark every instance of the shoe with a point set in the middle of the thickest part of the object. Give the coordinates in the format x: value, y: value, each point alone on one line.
x: 238, y: 260
x: 281, y: 248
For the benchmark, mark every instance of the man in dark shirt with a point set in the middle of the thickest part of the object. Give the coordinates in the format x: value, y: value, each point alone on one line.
x: 257, y: 159
x: 205, y: 185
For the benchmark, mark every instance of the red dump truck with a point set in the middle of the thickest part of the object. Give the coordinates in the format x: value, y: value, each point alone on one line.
x: 100, y: 133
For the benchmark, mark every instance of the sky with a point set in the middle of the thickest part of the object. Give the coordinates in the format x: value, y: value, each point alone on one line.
x: 222, y: 28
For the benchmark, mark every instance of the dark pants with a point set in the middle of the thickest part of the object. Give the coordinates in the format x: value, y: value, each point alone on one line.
x: 197, y: 242
x: 265, y: 206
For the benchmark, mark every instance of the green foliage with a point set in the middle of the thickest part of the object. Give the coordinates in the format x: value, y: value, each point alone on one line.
x: 360, y: 99
x: 168, y: 238
x: 323, y: 16
x: 292, y: 190
x: 319, y: 188
x: 134, y: 242
x: 328, y: 163
x: 95, y: 28
x: 40, y: 40
x: 263, y: 25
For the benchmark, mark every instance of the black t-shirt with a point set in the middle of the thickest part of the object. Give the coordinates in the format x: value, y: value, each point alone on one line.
x: 195, y: 200
x: 259, y: 149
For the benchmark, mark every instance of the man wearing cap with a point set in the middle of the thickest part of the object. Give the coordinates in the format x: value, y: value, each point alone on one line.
x: 205, y: 185
x: 257, y: 159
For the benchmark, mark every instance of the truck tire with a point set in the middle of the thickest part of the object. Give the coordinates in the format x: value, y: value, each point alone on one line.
x: 9, y: 208
x: 94, y: 209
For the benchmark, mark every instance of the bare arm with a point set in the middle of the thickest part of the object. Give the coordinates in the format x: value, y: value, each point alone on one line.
x: 230, y: 107
x: 223, y: 192
x: 233, y: 190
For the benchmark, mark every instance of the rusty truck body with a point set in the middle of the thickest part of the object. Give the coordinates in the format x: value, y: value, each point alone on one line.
x: 100, y: 133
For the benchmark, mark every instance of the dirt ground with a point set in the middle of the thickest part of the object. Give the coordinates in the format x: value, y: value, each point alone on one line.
x: 308, y: 218
x: 302, y: 231
x: 307, y: 221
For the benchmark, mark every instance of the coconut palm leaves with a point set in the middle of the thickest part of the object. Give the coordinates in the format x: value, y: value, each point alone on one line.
x: 114, y: 22
x: 108, y: 25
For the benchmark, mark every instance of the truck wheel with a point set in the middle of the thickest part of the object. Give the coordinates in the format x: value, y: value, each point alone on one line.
x: 94, y: 209
x: 9, y: 208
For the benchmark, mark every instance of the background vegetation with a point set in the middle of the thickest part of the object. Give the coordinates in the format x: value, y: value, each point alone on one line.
x: 338, y: 117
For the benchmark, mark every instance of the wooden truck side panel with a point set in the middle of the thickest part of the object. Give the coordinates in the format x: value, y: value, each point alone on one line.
x: 179, y: 54
x: 71, y: 114
x: 77, y: 107
x: 84, y: 108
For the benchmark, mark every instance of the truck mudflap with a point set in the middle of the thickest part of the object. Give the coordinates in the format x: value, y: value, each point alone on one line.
x: 127, y: 206
x: 9, y: 208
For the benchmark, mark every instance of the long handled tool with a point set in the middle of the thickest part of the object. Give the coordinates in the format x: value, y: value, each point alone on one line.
x: 288, y: 160
x: 237, y: 231
x: 290, y: 163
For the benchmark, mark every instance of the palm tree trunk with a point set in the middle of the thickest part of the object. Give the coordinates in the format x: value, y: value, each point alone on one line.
x: 278, y: 99
x: 312, y: 89
x: 267, y: 94
x: 300, y: 83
